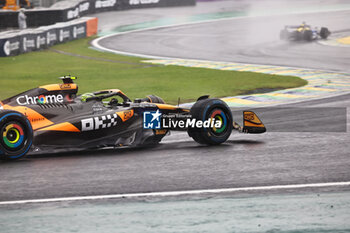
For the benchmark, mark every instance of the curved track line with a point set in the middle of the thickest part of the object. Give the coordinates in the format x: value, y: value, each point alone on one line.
x: 319, y: 88
x: 95, y: 43
x: 320, y: 83
x: 178, y: 193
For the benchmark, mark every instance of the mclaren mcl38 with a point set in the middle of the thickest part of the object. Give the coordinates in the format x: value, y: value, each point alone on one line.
x: 53, y: 118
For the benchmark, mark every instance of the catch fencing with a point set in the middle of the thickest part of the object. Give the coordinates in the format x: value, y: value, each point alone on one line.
x: 13, y: 43
x: 67, y: 10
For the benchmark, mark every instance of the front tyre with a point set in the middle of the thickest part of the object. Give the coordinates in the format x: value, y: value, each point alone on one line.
x: 16, y: 135
x: 214, y: 109
x: 324, y: 33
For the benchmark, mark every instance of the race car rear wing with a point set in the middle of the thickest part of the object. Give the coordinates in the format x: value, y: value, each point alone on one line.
x: 251, y: 124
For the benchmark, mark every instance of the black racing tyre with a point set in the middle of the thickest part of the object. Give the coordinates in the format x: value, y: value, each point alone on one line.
x: 215, y: 109
x: 324, y: 33
x: 16, y: 135
x: 308, y: 35
x: 154, y: 99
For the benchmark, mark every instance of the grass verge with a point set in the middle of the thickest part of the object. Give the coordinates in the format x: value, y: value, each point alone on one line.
x: 97, y: 70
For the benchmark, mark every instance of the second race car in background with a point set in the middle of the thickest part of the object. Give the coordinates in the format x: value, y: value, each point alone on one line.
x: 303, y: 32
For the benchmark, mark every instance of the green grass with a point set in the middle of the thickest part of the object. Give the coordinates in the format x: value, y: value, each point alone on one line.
x: 134, y: 78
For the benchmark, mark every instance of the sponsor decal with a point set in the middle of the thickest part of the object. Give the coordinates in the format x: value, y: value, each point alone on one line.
x: 97, y: 108
x: 100, y: 122
x: 161, y: 131
x: 51, y: 36
x: 65, y: 86
x: 75, y: 13
x: 48, y: 38
x: 74, y: 32
x: 40, y: 41
x: 157, y: 120
x: 84, y: 6
x: 41, y: 99
x: 151, y: 120
x: 105, y: 3
x: 71, y: 14
x: 24, y: 44
x: 127, y: 115
x: 9, y: 47
x: 64, y: 34
x: 249, y: 116
x: 37, y: 119
x: 78, y: 31
x: 141, y: 2
x: 28, y: 44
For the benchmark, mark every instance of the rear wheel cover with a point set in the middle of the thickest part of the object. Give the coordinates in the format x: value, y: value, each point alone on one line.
x: 218, y: 115
x: 12, y: 135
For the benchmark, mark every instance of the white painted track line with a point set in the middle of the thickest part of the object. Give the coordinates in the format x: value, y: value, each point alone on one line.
x: 177, y: 193
x: 95, y: 43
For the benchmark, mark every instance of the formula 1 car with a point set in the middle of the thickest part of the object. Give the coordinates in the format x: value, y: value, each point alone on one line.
x: 303, y: 32
x: 53, y: 118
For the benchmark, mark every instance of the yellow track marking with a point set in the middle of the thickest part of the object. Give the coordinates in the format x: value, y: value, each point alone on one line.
x: 345, y: 40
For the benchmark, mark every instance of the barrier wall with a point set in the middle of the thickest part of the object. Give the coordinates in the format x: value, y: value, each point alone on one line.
x: 17, y: 42
x: 64, y: 11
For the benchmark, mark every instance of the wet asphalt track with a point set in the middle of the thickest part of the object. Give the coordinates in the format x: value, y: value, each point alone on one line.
x: 274, y: 158
x: 247, y: 40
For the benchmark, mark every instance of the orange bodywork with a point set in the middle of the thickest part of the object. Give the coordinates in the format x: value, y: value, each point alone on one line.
x: 59, y: 87
x: 125, y: 115
x: 167, y: 106
x: 65, y: 126
x: 36, y: 119
x: 251, y: 119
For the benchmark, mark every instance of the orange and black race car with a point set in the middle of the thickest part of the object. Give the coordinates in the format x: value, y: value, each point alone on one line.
x: 53, y: 118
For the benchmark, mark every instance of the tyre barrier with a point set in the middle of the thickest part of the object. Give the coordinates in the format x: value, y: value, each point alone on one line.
x: 67, y: 10
x: 17, y: 42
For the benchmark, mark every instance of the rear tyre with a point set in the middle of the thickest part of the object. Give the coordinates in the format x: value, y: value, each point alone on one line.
x: 211, y: 109
x: 308, y: 35
x: 324, y: 33
x: 16, y: 135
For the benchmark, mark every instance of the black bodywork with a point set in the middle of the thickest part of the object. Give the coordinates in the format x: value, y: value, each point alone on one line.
x: 53, y: 117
